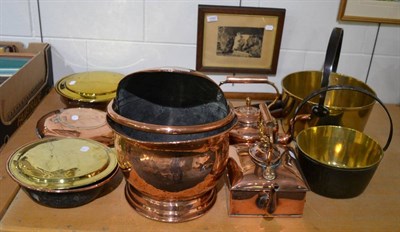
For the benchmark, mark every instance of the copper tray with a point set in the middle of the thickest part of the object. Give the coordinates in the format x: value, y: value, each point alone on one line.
x: 76, y: 122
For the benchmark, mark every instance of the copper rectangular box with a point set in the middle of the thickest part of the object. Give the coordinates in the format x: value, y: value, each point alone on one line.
x: 252, y: 195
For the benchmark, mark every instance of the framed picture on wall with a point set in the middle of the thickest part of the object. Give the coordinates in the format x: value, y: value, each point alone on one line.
x: 376, y: 11
x: 238, y: 39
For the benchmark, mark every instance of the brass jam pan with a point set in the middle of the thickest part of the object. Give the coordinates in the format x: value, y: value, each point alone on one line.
x: 89, y: 87
x: 61, y: 163
x: 76, y: 122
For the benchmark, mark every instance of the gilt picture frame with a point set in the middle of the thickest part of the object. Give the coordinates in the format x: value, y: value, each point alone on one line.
x: 239, y: 39
x: 374, y: 11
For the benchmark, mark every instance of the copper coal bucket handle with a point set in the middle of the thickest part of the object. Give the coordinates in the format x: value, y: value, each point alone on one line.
x: 344, y: 87
x: 252, y: 80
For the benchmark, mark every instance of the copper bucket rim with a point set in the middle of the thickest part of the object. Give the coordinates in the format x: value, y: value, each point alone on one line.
x: 158, y: 143
x: 168, y: 129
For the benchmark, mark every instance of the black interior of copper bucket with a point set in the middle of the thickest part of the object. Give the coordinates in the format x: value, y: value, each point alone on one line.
x: 169, y: 98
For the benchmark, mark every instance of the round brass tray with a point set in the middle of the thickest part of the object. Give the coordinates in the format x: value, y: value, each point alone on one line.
x: 95, y: 86
x: 61, y: 163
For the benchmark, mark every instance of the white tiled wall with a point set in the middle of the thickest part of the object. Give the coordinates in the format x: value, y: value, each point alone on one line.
x: 130, y: 35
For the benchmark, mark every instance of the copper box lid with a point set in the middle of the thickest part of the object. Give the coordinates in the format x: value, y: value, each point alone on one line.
x: 252, y: 194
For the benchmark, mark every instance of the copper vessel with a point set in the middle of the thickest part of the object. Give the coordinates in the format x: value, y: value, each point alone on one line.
x: 246, y: 130
x: 76, y: 122
x: 172, y: 138
x: 265, y: 179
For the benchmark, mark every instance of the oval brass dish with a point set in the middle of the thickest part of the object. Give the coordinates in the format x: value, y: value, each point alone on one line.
x: 95, y: 86
x: 76, y: 122
x: 61, y: 163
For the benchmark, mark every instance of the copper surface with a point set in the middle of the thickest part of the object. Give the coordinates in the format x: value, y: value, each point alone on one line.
x: 167, y: 129
x: 250, y: 194
x: 179, y: 173
x: 76, y: 122
x: 182, y: 210
x: 246, y: 130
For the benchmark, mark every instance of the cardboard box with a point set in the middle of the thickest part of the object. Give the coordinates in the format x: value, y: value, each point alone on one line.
x: 22, y: 90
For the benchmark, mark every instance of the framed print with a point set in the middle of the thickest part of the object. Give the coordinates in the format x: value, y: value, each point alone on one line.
x: 376, y: 11
x: 239, y: 39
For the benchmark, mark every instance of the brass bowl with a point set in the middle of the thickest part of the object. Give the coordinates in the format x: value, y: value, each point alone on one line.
x: 93, y: 89
x: 346, y: 107
x: 337, y: 162
x: 63, y: 172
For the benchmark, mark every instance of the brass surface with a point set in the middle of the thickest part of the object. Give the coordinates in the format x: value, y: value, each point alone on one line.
x: 346, y: 108
x: 95, y: 86
x: 60, y: 163
x: 76, y: 122
x: 339, y: 147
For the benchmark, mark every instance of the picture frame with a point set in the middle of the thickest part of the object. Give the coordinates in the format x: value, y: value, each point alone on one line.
x: 375, y: 11
x: 234, y: 39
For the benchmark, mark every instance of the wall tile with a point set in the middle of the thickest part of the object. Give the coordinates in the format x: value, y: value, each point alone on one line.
x: 24, y: 40
x: 384, y: 78
x: 130, y: 35
x: 388, y: 41
x: 127, y: 57
x: 311, y: 32
x: 162, y: 25
x: 15, y: 18
x: 69, y: 56
x: 90, y: 19
x: 354, y: 65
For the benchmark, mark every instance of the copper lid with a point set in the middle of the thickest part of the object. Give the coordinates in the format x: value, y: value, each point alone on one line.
x: 247, y: 113
x: 96, y: 86
x: 61, y: 163
x: 246, y: 131
x: 76, y: 122
x: 247, y: 175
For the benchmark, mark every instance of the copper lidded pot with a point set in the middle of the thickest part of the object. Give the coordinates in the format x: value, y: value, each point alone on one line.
x: 172, y: 139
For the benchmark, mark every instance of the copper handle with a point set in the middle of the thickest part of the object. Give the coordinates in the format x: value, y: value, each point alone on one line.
x: 252, y: 80
x: 268, y: 200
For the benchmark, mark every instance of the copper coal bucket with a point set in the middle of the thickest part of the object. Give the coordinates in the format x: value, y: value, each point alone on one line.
x: 172, y: 139
x: 345, y: 107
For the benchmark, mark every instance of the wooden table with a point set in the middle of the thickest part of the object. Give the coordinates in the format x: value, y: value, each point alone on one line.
x: 377, y: 209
